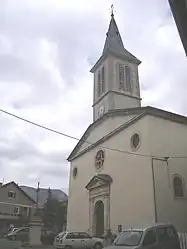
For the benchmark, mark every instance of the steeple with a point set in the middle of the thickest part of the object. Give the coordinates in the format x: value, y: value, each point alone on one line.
x: 116, y: 82
x: 114, y: 43
x: 113, y: 40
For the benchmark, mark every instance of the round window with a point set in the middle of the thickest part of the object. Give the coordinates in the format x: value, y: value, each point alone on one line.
x: 75, y: 172
x: 135, y: 140
x: 99, y: 159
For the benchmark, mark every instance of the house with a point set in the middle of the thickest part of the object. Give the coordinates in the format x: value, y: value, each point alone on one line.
x: 43, y: 194
x: 15, y: 205
x: 129, y: 168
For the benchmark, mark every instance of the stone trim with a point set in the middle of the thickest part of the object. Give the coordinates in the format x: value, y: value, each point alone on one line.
x: 148, y: 110
x: 119, y: 93
x: 128, y: 57
x: 119, y: 129
x: 104, y: 196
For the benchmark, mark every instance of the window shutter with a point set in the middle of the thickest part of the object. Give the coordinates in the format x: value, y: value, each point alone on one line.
x: 128, y: 79
x: 103, y: 79
x: 99, y: 83
x: 121, y: 76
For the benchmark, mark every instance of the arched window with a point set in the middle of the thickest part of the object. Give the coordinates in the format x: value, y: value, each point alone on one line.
x: 101, y: 81
x: 178, y: 186
x: 128, y: 79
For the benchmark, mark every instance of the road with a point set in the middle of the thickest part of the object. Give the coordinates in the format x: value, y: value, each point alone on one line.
x: 5, y: 244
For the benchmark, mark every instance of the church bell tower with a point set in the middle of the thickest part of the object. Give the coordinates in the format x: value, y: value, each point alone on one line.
x: 116, y: 81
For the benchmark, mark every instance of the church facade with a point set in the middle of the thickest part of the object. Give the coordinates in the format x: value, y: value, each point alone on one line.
x: 129, y: 168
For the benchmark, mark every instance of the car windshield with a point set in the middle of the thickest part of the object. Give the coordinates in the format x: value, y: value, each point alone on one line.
x: 13, y: 230
x: 61, y: 234
x: 128, y: 238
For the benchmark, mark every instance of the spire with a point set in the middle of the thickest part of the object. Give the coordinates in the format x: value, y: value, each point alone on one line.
x: 113, y: 40
x: 114, y: 45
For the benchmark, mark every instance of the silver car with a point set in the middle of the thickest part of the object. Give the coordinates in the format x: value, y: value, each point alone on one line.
x: 160, y: 236
x: 77, y: 240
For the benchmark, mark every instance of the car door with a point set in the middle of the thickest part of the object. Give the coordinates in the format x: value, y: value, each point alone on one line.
x: 18, y: 234
x: 86, y: 240
x: 168, y: 238
x: 73, y: 240
x: 21, y: 234
x: 163, y: 238
x: 150, y: 240
x: 174, y: 242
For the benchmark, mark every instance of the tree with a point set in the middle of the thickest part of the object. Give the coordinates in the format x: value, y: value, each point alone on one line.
x: 54, y: 214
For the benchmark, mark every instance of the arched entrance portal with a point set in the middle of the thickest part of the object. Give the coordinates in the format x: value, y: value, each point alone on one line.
x: 99, y: 219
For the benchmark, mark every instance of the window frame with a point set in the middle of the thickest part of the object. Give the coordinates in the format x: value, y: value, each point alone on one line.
x: 128, y: 80
x: 73, y: 235
x: 148, y: 231
x: 13, y: 194
x: 18, y: 210
x: 99, y: 159
x: 125, y: 78
x: 160, y: 239
x: 176, y: 196
x: 101, y: 81
x: 75, y: 172
x: 121, y: 76
x: 86, y: 235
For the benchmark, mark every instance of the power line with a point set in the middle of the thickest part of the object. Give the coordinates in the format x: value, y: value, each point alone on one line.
x: 75, y: 138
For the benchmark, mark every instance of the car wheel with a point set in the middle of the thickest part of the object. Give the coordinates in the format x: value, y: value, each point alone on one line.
x: 13, y: 238
x: 68, y: 247
x: 98, y: 246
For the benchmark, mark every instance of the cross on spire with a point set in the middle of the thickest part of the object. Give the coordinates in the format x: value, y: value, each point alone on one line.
x: 112, y: 10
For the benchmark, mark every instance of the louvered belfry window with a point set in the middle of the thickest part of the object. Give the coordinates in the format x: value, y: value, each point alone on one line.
x: 125, y: 81
x: 101, y: 81
x: 128, y: 79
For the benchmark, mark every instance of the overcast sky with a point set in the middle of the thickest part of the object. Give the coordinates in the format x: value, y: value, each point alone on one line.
x: 47, y: 48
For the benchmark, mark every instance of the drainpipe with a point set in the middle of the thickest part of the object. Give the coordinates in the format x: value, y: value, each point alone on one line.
x: 154, y: 186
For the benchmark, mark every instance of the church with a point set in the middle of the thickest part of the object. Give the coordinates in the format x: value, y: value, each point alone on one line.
x: 129, y: 169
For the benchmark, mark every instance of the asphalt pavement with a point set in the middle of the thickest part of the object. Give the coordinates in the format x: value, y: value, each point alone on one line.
x: 6, y: 244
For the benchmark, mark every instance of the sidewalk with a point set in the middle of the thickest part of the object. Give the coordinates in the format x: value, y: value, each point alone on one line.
x: 7, y: 244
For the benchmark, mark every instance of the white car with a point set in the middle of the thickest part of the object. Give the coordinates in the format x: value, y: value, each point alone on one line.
x: 77, y: 240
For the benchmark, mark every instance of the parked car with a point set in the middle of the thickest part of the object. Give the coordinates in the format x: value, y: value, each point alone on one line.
x: 160, y: 236
x: 78, y: 240
x: 21, y: 234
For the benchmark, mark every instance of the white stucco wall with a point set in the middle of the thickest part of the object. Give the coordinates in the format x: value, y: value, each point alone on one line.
x: 131, y: 200
x: 169, y: 139
x: 131, y: 191
x: 104, y: 128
